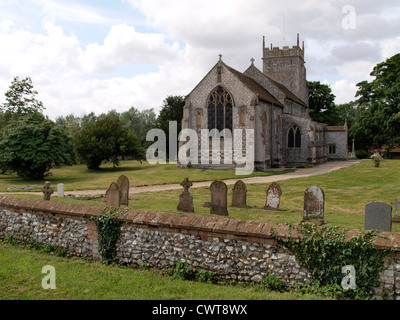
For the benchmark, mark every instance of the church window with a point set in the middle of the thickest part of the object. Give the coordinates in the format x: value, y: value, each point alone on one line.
x: 219, y: 112
x: 332, y: 149
x: 294, y: 137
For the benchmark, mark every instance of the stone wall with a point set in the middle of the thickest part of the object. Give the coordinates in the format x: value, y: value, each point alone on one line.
x: 234, y: 249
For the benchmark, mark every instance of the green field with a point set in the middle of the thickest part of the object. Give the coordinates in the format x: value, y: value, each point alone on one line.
x: 346, y: 193
x: 78, y: 177
x: 76, y: 279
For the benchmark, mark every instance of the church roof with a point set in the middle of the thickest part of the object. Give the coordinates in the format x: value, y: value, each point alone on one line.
x: 335, y: 128
x: 261, y: 92
x: 289, y: 94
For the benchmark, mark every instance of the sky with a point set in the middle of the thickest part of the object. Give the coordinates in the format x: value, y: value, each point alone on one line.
x: 99, y: 55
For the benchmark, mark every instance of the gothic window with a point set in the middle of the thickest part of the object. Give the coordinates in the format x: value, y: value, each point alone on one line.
x: 332, y: 149
x: 294, y: 137
x: 220, y: 105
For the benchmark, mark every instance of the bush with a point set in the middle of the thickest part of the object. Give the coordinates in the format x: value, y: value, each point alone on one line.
x: 273, y: 283
x: 107, y: 139
x: 32, y: 145
x: 361, y: 154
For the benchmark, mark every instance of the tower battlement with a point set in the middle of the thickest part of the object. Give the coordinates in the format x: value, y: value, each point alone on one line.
x: 286, y: 65
x: 285, y: 51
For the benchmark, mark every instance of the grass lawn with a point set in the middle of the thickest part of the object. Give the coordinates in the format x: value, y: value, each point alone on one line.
x: 76, y: 279
x: 346, y: 193
x: 78, y: 177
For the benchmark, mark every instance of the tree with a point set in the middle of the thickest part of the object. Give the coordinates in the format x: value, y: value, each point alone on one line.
x: 106, y: 139
x: 172, y: 110
x: 322, y: 103
x: 32, y: 145
x: 20, y: 98
x: 139, y: 121
x: 378, y: 120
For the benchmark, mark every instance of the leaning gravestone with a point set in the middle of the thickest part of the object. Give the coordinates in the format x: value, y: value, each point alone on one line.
x: 274, y: 194
x: 113, y: 196
x: 378, y: 216
x: 185, y: 199
x: 239, y: 192
x: 123, y: 186
x: 314, y: 203
x: 219, y: 193
x: 47, y: 191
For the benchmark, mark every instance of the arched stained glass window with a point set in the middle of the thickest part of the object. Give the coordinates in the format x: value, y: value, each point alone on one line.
x: 294, y: 137
x: 220, y: 105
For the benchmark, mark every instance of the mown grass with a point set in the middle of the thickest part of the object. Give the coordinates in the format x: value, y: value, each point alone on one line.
x: 347, y: 191
x: 78, y: 177
x: 77, y: 279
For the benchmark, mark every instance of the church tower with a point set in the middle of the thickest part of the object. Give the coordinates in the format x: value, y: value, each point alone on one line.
x: 287, y: 66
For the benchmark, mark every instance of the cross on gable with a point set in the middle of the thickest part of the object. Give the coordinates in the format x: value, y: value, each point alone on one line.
x: 252, y: 60
x: 186, y: 184
x: 396, y: 206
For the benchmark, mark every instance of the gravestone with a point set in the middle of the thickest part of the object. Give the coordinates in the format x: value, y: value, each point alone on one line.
x: 113, y: 196
x: 239, y: 192
x: 47, y: 191
x: 274, y: 194
x: 185, y: 199
x: 378, y: 216
x: 123, y: 186
x: 314, y: 203
x: 60, y: 190
x: 219, y: 194
x: 396, y: 217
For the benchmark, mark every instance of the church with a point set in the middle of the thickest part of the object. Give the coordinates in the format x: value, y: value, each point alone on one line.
x: 273, y: 102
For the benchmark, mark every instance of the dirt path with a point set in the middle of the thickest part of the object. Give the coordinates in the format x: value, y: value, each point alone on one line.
x: 299, y: 173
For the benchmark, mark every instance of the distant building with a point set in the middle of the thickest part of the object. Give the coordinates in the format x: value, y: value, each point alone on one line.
x: 273, y: 102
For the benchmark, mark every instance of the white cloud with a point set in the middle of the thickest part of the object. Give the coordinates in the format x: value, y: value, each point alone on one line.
x: 344, y: 91
x: 123, y: 45
x: 179, y: 45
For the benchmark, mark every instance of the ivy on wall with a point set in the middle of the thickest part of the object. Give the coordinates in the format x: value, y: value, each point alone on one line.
x: 323, y: 251
x: 108, y: 231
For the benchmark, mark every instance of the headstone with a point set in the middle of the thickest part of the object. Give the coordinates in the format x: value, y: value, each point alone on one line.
x: 239, y: 192
x: 396, y: 217
x: 123, y: 186
x: 60, y: 190
x: 314, y: 203
x: 185, y: 199
x: 274, y: 194
x: 378, y: 216
x: 47, y: 191
x: 113, y: 196
x: 219, y: 194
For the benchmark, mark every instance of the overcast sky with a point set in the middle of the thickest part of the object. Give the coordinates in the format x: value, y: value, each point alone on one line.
x: 98, y: 55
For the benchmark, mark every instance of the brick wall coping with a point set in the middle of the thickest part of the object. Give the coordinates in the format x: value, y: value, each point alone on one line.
x: 200, y: 224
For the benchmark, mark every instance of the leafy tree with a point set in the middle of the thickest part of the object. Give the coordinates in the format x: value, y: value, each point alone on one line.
x: 139, y: 121
x: 322, y: 104
x: 20, y: 98
x: 106, y: 139
x: 32, y: 145
x: 71, y: 123
x: 378, y: 120
x: 172, y: 110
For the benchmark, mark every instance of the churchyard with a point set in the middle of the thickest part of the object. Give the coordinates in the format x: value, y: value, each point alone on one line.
x: 342, y: 195
x: 346, y: 191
